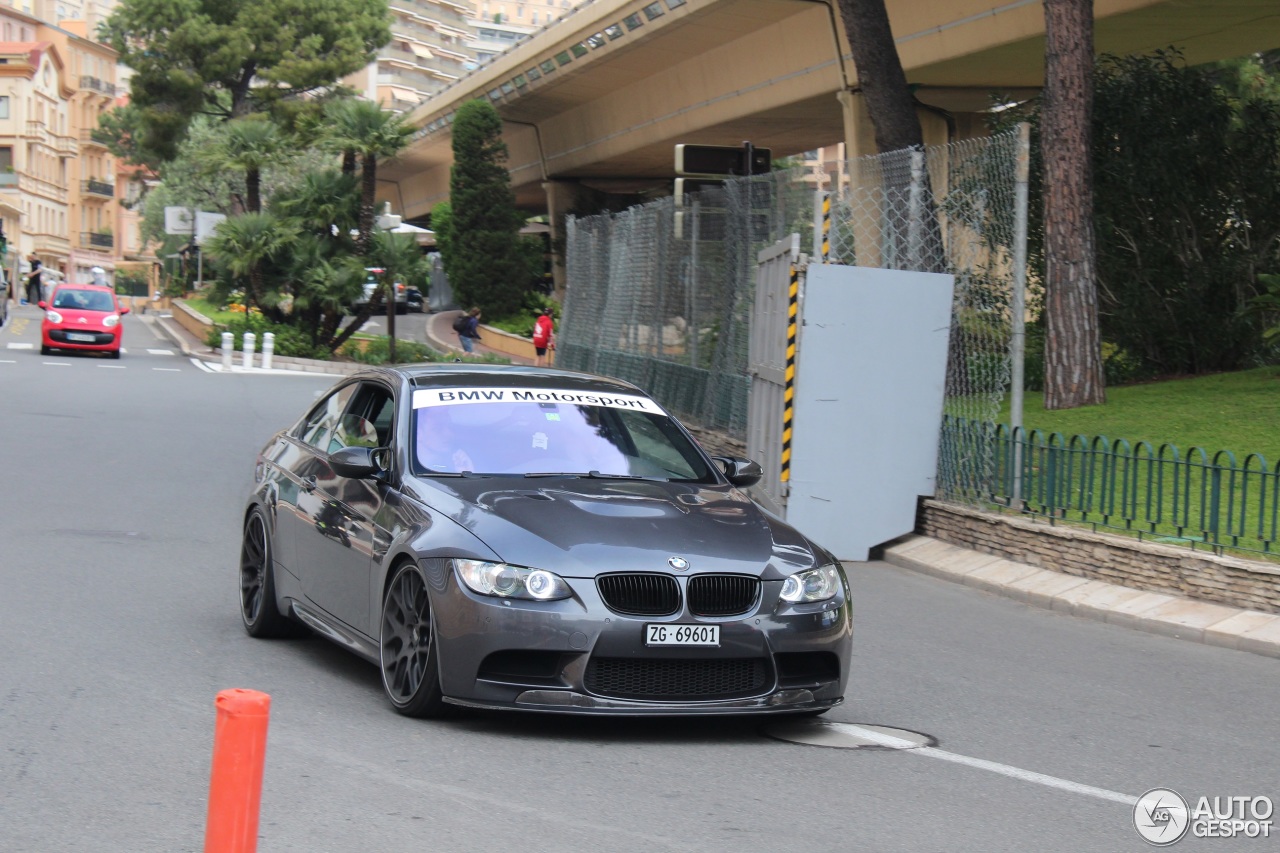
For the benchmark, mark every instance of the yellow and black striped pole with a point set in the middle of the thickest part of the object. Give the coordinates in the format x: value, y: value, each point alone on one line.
x: 826, y: 227
x: 788, y: 395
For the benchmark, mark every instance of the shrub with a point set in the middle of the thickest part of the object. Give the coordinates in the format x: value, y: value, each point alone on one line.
x: 290, y: 340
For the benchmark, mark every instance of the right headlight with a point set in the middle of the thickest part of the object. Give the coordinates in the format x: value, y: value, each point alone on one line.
x: 810, y: 585
x: 53, y: 316
x: 503, y: 581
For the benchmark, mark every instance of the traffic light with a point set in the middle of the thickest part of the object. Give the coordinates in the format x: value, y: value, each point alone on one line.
x: 710, y: 161
x: 704, y: 168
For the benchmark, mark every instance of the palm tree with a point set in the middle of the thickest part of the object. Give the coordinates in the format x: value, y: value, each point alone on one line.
x: 371, y: 132
x: 244, y: 244
x: 249, y: 144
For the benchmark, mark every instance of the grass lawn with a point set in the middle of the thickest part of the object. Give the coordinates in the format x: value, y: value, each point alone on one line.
x: 208, y: 309
x: 1239, y: 412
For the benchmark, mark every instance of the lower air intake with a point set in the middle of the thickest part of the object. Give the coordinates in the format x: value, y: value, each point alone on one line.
x: 680, y: 680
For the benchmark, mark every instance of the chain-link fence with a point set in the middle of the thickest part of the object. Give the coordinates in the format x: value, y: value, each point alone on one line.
x: 661, y: 297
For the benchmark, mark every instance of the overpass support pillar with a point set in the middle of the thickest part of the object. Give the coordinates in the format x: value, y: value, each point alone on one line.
x: 566, y: 198
x: 859, y: 132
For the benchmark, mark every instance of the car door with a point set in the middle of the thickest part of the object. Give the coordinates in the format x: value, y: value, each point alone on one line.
x: 298, y: 463
x: 342, y: 539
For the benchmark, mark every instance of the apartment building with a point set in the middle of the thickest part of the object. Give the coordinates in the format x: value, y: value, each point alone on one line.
x: 57, y: 180
x: 428, y: 51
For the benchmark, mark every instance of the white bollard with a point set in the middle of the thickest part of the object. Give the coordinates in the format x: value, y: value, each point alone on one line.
x: 268, y: 349
x: 228, y: 347
x: 249, y: 338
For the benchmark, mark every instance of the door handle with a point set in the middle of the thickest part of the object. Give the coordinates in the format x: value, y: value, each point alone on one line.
x: 309, y: 483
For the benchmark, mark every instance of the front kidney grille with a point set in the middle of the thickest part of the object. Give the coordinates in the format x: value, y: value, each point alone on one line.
x: 677, y: 679
x: 722, y: 595
x: 640, y: 595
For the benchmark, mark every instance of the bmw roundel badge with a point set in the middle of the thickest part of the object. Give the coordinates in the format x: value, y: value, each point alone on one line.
x: 678, y: 563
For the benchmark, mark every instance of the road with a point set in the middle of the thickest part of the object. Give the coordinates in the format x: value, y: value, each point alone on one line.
x: 118, y: 619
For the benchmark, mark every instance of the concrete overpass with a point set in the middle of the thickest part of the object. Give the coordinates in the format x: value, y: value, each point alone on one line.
x: 595, y: 102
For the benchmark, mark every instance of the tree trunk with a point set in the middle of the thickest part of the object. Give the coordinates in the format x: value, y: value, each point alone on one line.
x: 368, y: 193
x: 880, y: 75
x: 348, y: 161
x: 1072, y: 358
x: 253, y: 189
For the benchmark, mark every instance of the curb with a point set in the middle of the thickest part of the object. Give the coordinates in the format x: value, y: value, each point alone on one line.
x: 1153, y: 612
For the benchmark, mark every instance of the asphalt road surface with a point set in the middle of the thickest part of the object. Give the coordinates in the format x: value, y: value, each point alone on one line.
x: 119, y: 534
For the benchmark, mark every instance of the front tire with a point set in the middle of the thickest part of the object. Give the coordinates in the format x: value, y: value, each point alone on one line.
x: 409, y: 659
x: 258, y: 610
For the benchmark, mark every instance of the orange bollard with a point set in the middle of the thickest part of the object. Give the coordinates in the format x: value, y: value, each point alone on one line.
x: 235, y: 785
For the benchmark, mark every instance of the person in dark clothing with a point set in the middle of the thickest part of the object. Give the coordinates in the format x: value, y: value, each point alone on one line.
x: 34, y: 291
x: 470, y: 333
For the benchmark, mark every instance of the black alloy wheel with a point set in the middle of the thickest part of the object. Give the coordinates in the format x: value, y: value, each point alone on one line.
x: 410, y: 663
x: 258, y: 608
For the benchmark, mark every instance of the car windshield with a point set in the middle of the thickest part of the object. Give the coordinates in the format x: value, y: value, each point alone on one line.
x: 538, y: 432
x: 84, y: 300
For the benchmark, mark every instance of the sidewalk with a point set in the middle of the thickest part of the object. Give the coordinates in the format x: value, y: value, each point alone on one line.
x: 442, y: 337
x: 439, y: 333
x: 1154, y: 612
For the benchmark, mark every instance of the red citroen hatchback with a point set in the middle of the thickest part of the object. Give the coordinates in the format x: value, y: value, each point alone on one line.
x: 82, y: 317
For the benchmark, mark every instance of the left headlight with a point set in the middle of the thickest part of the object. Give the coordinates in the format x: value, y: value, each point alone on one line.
x: 817, y: 584
x: 53, y: 316
x: 110, y: 320
x: 503, y: 581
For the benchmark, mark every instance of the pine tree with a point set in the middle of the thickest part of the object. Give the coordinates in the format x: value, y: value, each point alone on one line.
x: 487, y: 268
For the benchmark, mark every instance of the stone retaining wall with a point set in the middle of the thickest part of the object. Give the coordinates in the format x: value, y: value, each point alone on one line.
x: 1116, y: 559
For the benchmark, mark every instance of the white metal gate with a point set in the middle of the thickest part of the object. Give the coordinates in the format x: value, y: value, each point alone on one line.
x: 771, y: 355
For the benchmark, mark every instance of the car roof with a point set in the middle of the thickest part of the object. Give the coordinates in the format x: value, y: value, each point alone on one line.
x: 71, y: 285
x: 522, y: 376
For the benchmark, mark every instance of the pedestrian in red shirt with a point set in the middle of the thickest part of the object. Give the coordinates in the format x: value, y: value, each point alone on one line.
x: 543, y: 337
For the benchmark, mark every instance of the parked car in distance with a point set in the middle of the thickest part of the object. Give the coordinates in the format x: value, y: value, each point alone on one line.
x: 542, y: 540
x: 373, y: 280
x: 84, y: 317
x: 414, y: 300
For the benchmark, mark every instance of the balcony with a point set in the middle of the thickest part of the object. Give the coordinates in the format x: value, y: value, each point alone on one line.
x: 97, y: 240
x: 66, y: 145
x: 8, y: 179
x: 93, y: 136
x: 102, y: 87
x: 100, y: 189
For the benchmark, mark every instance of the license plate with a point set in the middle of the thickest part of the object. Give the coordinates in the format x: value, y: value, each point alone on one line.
x: 79, y: 338
x: 681, y: 635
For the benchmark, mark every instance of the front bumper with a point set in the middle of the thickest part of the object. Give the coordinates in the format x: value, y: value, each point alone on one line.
x: 577, y: 656
x: 102, y: 341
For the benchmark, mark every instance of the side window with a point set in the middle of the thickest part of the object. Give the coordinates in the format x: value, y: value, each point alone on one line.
x: 368, y: 421
x: 324, y: 417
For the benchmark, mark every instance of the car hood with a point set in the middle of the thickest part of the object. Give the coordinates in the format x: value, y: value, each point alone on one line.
x: 584, y: 527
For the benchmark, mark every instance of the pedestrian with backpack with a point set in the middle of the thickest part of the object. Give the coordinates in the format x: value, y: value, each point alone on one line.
x: 468, y: 328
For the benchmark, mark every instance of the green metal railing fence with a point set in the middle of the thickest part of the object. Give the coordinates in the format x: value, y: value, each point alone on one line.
x: 1158, y: 492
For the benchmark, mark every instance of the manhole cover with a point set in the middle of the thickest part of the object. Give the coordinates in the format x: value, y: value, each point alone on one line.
x: 846, y: 735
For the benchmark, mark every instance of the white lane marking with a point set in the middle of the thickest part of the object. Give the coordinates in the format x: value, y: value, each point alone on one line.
x: 57, y: 363
x: 114, y: 366
x: 200, y: 364
x: 21, y: 346
x: 7, y: 361
x: 981, y: 764
x: 167, y: 369
x: 160, y: 351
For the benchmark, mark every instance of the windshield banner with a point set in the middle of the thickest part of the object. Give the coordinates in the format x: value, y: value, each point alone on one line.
x: 458, y: 396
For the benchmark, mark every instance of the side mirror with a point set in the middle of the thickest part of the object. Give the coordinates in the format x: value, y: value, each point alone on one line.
x: 44, y: 305
x: 741, y: 472
x: 124, y: 310
x: 361, y: 463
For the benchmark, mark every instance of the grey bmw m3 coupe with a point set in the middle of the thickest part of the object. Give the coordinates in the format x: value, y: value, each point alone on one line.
x: 539, y: 540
